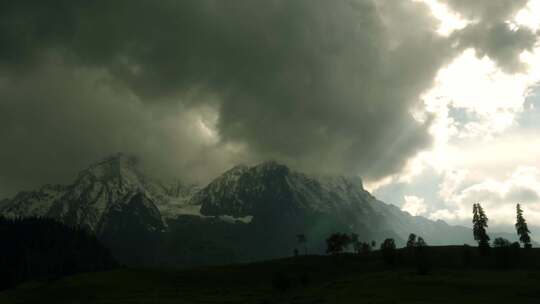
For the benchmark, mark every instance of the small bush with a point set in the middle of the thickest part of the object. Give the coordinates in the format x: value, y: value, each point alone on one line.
x: 422, y: 259
x: 281, y: 282
x: 388, y: 250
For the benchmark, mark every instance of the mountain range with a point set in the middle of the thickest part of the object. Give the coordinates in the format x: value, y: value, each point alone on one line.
x: 246, y: 213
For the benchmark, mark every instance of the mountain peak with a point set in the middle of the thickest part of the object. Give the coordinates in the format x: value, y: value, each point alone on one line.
x: 119, y: 159
x: 247, y: 191
x: 271, y: 166
x: 237, y: 168
x: 119, y: 167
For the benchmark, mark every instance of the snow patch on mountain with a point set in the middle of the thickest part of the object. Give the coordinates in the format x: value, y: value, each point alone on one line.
x: 31, y: 203
x: 173, y: 199
x: 100, y: 190
x: 113, y: 192
x: 242, y: 190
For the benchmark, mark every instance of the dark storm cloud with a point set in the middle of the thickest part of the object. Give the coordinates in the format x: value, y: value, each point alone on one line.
x: 323, y: 85
x: 490, y: 11
x: 523, y: 195
x: 58, y: 119
x: 489, y: 32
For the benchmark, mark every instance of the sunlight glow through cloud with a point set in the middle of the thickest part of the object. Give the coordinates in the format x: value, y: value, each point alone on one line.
x: 479, y: 88
x: 414, y: 205
x: 529, y: 16
x: 476, y: 108
x: 449, y: 20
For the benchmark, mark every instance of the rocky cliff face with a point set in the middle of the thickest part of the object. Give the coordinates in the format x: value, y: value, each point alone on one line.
x: 274, y: 193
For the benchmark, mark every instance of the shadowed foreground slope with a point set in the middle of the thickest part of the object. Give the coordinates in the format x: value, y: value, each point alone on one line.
x: 311, y: 279
x: 35, y: 248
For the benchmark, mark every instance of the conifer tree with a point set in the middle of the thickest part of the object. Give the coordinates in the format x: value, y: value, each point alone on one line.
x: 522, y: 229
x: 480, y: 223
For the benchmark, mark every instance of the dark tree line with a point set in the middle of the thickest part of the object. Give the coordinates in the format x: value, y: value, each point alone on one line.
x: 504, y: 253
x: 36, y: 248
x: 419, y: 249
x: 416, y: 246
x: 336, y: 243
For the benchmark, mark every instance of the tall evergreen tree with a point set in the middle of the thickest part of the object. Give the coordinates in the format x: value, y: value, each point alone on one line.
x: 480, y: 223
x: 522, y: 229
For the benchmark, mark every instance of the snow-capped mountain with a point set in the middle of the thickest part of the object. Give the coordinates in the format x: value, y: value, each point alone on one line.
x: 274, y: 188
x: 273, y: 192
x: 173, y: 198
x: 247, y: 213
x: 99, y: 193
x: 31, y: 203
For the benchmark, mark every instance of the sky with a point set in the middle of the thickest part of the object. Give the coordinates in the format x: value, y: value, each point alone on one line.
x: 434, y: 103
x: 485, y: 131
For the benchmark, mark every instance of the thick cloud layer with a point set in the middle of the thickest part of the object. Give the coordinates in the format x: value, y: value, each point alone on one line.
x: 489, y: 32
x: 195, y: 86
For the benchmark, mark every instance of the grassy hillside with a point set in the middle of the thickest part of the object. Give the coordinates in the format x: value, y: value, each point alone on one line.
x: 311, y: 279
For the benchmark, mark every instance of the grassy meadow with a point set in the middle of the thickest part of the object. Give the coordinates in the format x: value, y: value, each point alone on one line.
x: 304, y: 279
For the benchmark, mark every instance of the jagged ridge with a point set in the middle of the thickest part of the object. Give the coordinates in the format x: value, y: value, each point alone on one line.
x: 97, y: 195
x: 270, y: 192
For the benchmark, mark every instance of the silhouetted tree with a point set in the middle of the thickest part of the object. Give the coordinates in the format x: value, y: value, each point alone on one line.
x: 411, y: 242
x: 420, y: 242
x: 337, y: 242
x: 423, y: 264
x: 366, y: 248
x: 373, y: 244
x: 480, y: 223
x: 388, y: 250
x: 522, y: 229
x: 502, y: 252
x: 357, y: 245
x: 501, y: 243
x: 302, y: 240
